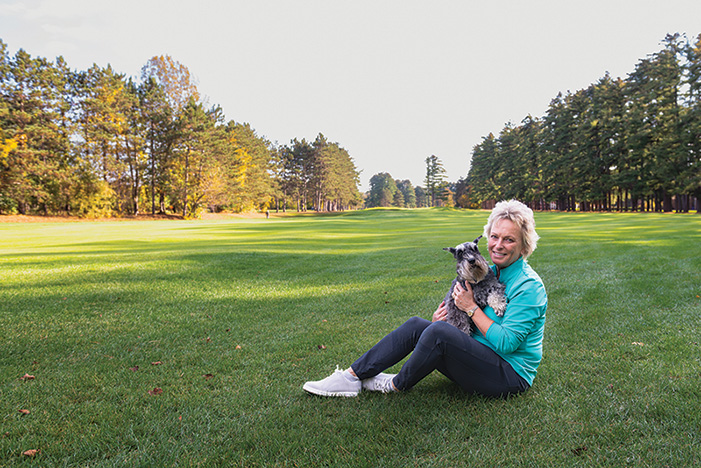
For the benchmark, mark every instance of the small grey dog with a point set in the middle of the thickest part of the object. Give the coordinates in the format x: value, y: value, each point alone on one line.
x: 488, y: 291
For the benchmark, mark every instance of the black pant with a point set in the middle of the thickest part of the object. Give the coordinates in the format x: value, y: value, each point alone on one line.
x: 439, y: 345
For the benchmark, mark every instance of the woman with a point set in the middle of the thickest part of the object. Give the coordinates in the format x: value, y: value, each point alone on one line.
x: 502, y: 356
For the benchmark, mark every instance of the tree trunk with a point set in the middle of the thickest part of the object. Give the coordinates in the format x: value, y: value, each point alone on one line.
x: 187, y: 170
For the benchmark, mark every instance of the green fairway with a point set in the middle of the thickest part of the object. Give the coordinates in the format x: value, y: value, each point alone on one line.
x: 186, y: 343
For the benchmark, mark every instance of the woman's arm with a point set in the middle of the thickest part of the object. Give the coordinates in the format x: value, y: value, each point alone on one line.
x: 465, y: 300
x: 523, y: 311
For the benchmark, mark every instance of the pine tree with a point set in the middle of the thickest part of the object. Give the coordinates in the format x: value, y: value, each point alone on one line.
x: 408, y: 192
x: 691, y: 175
x: 159, y: 131
x: 35, y: 173
x: 435, y: 177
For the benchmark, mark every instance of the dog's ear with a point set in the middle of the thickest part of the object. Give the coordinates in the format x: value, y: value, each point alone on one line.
x: 450, y: 249
x: 477, y: 240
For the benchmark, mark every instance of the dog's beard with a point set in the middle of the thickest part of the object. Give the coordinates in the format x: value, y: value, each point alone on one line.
x: 472, y: 274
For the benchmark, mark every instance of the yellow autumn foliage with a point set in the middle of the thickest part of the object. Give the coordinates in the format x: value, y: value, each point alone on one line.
x: 5, y: 147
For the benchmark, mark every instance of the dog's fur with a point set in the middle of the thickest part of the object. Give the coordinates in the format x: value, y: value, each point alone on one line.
x: 486, y: 288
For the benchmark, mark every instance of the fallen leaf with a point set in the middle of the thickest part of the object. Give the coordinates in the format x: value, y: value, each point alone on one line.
x: 321, y: 346
x: 238, y: 346
x: 579, y: 450
x: 30, y: 453
x: 637, y: 343
x: 134, y: 369
x: 156, y: 363
x: 27, y: 377
x: 208, y: 376
x: 155, y: 391
x: 228, y: 330
x: 208, y: 339
x: 24, y: 411
x: 180, y: 418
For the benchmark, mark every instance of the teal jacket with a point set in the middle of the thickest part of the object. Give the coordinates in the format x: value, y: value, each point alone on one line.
x: 517, y: 336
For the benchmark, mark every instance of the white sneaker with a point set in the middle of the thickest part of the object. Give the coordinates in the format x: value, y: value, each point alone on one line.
x: 380, y: 383
x: 334, y: 385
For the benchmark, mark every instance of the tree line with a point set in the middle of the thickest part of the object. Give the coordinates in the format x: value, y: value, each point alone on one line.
x: 386, y: 191
x: 436, y: 192
x: 97, y: 143
x: 620, y: 144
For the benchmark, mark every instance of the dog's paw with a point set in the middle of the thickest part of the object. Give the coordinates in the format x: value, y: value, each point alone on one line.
x: 498, y: 303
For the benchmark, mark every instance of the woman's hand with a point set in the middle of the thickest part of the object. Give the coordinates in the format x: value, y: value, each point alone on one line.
x: 441, y: 313
x: 463, y: 297
x: 465, y: 300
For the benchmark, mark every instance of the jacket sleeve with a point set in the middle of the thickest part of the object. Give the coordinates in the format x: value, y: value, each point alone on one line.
x: 525, y: 308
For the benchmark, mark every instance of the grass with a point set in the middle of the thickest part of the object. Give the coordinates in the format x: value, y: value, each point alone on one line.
x: 240, y: 313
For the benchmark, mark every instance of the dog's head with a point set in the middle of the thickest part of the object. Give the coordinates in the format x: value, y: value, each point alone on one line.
x: 472, y: 267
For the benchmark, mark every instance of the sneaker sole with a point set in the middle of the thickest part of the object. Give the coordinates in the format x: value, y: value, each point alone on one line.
x: 316, y: 391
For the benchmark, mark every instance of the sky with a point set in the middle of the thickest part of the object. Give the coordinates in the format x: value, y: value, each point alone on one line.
x: 392, y: 82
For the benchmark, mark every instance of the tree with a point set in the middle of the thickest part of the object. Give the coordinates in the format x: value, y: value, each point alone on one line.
x: 167, y: 87
x: 407, y: 191
x: 558, y: 149
x: 462, y: 194
x: 111, y: 141
x: 655, y: 118
x: 174, y: 78
x: 382, y: 190
x: 249, y: 166
x: 422, y: 200
x: 335, y: 178
x: 435, y: 177
x: 36, y: 164
x: 195, y: 154
x: 320, y: 175
x: 159, y: 131
x: 608, y: 114
x: 297, y: 160
x: 484, y: 169
x: 691, y: 172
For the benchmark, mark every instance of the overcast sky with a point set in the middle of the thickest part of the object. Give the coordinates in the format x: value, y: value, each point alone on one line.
x: 392, y: 82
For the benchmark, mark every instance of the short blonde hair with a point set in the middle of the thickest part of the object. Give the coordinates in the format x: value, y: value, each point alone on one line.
x: 522, y: 216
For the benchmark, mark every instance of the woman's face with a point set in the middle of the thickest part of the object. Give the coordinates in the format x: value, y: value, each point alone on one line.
x: 505, y: 244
